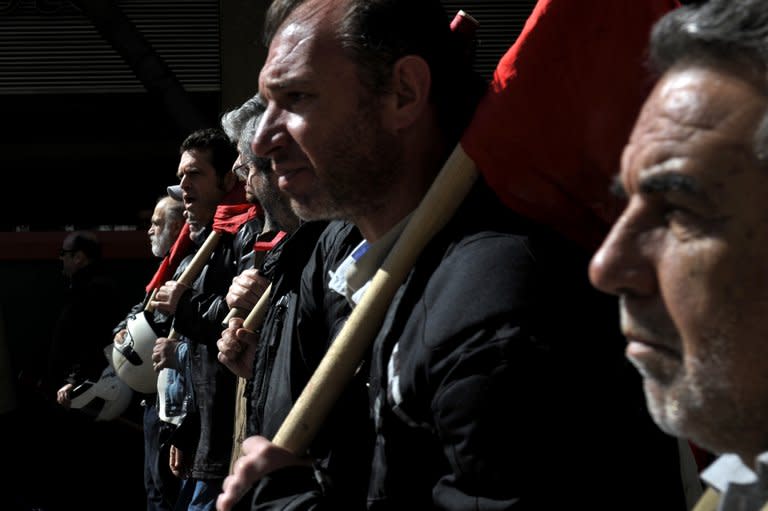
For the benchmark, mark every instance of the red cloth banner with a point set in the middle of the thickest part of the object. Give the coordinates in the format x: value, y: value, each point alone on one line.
x: 549, y: 133
x: 181, y: 247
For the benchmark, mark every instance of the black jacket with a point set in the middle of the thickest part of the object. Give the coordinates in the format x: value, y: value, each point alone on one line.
x: 198, y: 318
x: 92, y: 304
x: 303, y: 318
x: 498, y: 380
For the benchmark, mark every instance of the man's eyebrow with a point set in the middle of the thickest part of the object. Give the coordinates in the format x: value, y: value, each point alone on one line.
x: 669, y: 182
x: 286, y: 82
x: 658, y: 183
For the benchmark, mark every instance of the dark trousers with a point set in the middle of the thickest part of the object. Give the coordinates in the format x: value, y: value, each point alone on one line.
x: 161, y: 485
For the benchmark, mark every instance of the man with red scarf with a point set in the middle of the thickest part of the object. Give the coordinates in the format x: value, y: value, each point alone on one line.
x: 167, y: 225
x: 214, y: 200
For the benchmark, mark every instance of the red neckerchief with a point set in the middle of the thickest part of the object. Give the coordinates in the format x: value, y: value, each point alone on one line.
x: 234, y: 211
x: 181, y: 247
x: 265, y: 245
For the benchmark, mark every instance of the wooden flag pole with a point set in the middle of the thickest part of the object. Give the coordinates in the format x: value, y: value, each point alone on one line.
x: 252, y: 322
x: 191, y: 272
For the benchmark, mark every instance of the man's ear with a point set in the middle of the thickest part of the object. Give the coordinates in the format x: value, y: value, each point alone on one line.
x: 411, y: 82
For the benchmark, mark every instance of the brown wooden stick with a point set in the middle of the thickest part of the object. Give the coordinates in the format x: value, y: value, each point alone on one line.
x: 254, y: 319
x: 201, y: 257
x: 343, y: 357
x: 238, y: 433
x: 149, y: 307
x: 194, y: 268
x: 234, y: 312
x: 252, y: 322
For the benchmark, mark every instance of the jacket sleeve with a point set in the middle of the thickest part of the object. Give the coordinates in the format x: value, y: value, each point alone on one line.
x: 471, y: 364
x: 202, y: 309
x: 527, y: 386
x: 199, y: 316
x: 299, y: 489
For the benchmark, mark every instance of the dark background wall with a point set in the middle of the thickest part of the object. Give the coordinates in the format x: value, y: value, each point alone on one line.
x: 97, y: 91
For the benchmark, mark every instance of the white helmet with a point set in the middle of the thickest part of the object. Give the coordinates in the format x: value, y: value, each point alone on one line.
x: 132, y: 358
x: 106, y: 399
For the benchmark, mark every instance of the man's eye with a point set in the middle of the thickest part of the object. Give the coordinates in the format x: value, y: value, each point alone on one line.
x: 687, y: 224
x: 294, y: 97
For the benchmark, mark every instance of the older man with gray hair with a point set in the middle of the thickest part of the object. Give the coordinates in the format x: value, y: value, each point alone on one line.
x: 687, y: 256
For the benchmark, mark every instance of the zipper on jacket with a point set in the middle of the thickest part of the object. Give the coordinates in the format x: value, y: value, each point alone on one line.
x: 276, y: 333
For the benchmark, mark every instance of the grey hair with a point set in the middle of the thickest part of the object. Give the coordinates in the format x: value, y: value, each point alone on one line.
x: 241, y: 124
x: 236, y: 120
x: 174, y: 209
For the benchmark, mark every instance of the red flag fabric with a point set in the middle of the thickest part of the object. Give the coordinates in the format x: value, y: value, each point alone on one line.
x: 181, y: 247
x: 549, y: 133
x: 234, y: 211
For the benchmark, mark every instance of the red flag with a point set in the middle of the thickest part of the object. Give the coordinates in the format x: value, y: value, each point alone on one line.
x: 181, y: 247
x: 234, y: 211
x: 549, y: 133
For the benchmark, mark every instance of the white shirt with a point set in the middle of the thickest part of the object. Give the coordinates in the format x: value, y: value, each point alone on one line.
x: 741, y: 488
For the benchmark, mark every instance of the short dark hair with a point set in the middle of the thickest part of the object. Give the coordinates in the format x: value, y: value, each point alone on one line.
x: 213, y: 141
x: 376, y: 33
x: 725, y: 34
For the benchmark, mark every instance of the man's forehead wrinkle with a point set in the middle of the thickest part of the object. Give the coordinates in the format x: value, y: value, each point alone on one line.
x: 297, y: 45
x: 281, y: 66
x: 684, y: 114
x: 687, y: 104
x: 298, y: 35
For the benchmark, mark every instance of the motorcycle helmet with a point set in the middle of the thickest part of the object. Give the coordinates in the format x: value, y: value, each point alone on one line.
x: 132, y: 358
x: 105, y: 399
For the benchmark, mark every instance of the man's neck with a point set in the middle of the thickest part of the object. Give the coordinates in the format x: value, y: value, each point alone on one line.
x: 402, y: 201
x: 423, y: 156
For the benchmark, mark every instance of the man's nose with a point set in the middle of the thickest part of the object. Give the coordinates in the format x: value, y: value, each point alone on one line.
x: 622, y: 264
x: 271, y: 133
